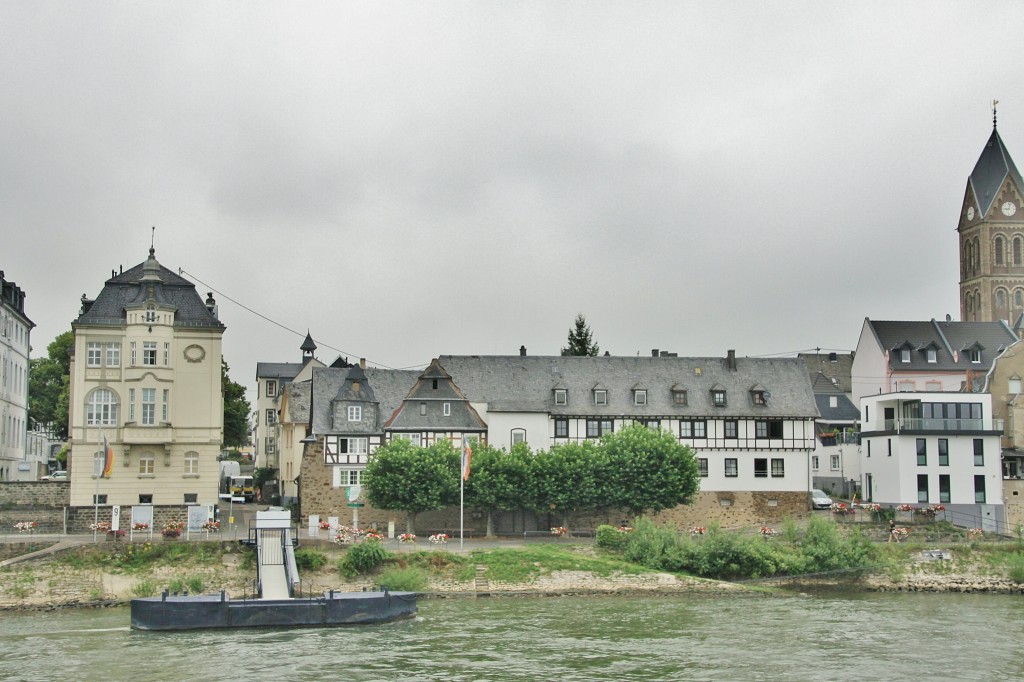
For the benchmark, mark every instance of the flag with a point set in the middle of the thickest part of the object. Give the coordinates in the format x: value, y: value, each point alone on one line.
x: 108, y: 459
x: 467, y: 454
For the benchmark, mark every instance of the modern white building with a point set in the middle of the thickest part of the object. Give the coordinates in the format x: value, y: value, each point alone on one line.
x: 146, y: 380
x: 15, y: 329
x: 934, y: 448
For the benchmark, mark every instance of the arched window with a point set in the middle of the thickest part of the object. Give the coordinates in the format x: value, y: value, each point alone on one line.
x: 968, y: 257
x: 1018, y: 298
x: 999, y: 251
x: 969, y: 302
x: 1000, y: 299
x: 518, y: 436
x: 977, y: 255
x: 1016, y: 250
x: 101, y: 410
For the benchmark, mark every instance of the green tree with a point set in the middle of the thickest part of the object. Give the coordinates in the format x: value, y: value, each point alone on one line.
x: 49, y: 379
x: 567, y: 479
x: 405, y: 477
x: 649, y: 470
x: 236, y: 410
x: 497, y: 480
x: 581, y: 341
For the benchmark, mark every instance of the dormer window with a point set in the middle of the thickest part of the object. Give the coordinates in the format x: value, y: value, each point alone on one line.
x: 355, y: 413
x: 758, y: 398
x: 600, y: 396
x: 447, y: 409
x: 640, y: 396
x: 679, y: 397
x: 930, y: 355
x: 975, y: 356
x: 150, y: 313
x: 905, y: 355
x: 561, y: 396
x: 718, y: 397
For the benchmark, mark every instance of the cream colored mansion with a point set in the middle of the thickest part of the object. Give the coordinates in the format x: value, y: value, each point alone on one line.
x: 146, y: 376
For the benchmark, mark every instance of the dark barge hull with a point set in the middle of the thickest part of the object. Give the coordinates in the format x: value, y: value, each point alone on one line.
x: 215, y: 611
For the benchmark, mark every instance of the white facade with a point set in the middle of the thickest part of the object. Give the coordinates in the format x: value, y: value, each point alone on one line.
x: 15, y: 329
x: 933, y: 448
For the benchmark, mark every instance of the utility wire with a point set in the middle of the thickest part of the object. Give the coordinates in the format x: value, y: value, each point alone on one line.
x: 182, y: 271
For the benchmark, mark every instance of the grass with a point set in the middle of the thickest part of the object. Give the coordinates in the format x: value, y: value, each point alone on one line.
x: 527, y: 563
x: 144, y: 588
x: 132, y: 557
x: 411, y: 579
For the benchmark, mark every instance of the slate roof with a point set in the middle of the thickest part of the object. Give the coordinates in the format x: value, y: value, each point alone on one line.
x: 129, y: 288
x: 824, y: 393
x: 947, y: 338
x: 991, y: 170
x: 297, y: 402
x: 422, y: 408
x: 525, y: 384
x: 840, y: 368
x: 389, y: 386
x: 278, y: 370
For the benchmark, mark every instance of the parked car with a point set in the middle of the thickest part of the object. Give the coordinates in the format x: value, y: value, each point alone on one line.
x: 57, y: 476
x: 819, y: 500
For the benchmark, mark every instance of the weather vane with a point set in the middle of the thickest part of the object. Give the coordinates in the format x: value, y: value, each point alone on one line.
x: 995, y: 103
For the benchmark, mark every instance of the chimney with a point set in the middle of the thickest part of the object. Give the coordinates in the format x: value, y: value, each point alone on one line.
x: 522, y: 351
x: 730, y: 360
x: 654, y: 352
x: 362, y: 363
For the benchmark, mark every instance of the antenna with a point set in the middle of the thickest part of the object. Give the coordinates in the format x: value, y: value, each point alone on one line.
x: 152, y: 237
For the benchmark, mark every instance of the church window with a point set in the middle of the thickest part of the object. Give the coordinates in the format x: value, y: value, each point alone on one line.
x: 1018, y: 298
x: 1000, y: 298
x: 969, y: 302
x: 999, y: 251
x: 1016, y: 250
x: 977, y: 254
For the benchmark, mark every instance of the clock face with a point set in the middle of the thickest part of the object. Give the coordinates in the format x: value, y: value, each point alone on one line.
x: 1009, y: 208
x: 970, y: 213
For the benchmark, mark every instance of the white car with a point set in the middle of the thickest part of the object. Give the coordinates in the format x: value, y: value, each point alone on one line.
x: 819, y: 500
x: 57, y: 476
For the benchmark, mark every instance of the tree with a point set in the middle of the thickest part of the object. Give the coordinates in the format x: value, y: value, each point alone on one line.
x: 498, y: 479
x: 49, y: 379
x: 567, y: 479
x: 649, y: 470
x: 581, y: 341
x: 405, y: 477
x: 236, y: 410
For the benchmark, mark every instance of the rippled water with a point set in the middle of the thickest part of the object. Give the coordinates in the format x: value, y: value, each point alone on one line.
x: 683, y: 637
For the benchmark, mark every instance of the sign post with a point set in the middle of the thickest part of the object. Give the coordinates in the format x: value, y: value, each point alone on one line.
x: 353, y: 494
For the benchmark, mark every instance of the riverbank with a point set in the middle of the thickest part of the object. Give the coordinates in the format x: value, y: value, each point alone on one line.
x: 106, y: 575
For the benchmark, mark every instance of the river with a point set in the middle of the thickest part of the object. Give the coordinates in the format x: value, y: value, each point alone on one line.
x: 679, y: 637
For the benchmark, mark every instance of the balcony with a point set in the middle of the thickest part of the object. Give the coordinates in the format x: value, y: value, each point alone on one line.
x: 943, y: 425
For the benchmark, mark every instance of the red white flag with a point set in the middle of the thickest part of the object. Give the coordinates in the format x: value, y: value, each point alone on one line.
x: 467, y: 455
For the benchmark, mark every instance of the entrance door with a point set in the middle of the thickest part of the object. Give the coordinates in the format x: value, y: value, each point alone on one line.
x: 869, y: 488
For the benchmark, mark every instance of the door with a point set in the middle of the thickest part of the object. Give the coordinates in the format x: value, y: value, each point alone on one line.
x: 869, y: 488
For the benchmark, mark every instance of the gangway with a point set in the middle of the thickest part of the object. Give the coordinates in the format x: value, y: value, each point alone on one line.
x: 274, y: 540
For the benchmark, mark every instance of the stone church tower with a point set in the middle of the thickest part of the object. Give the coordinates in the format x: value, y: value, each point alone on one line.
x: 991, y: 232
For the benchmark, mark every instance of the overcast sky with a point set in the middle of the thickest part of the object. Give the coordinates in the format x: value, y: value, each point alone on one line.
x: 413, y: 179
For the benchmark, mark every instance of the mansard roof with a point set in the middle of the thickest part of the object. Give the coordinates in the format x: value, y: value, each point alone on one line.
x: 991, y: 171
x: 519, y: 383
x: 131, y: 288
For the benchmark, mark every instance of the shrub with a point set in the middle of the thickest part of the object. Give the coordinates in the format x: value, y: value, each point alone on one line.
x: 1015, y: 568
x: 176, y: 585
x: 195, y: 584
x: 144, y: 588
x: 610, y: 537
x: 310, y: 559
x: 404, y: 579
x: 362, y: 558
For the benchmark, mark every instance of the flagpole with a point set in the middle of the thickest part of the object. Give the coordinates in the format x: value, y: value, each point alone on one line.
x: 462, y: 487
x: 96, y: 496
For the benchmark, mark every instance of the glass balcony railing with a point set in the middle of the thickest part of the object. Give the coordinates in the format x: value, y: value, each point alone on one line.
x: 909, y: 424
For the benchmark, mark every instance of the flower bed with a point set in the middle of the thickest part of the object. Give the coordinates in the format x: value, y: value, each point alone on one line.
x: 559, y: 531
x: 439, y: 539
x: 140, y: 526
x: 173, y: 529
x: 25, y: 526
x: 212, y: 526
x: 407, y: 539
x: 100, y: 527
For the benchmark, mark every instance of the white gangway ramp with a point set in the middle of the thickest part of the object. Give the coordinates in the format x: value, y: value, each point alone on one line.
x: 274, y: 556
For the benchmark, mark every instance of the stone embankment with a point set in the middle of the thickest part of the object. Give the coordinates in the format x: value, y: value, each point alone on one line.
x: 945, y: 583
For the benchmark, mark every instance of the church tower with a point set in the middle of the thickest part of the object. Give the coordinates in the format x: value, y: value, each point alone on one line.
x: 991, y: 232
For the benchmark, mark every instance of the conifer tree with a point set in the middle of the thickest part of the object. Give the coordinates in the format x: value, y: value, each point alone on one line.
x: 581, y: 341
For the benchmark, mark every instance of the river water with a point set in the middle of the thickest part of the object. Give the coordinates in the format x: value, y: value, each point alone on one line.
x: 679, y: 637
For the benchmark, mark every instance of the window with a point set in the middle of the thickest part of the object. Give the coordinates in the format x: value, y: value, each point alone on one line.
x: 944, y: 452
x: 271, y: 389
x: 922, y: 452
x: 149, y: 353
x: 99, y: 499
x: 350, y: 477
x: 423, y: 409
x: 999, y: 251
x: 1000, y: 298
x: 447, y: 409
x: 944, y: 488
x: 355, y: 413
x: 757, y: 397
x: 191, y: 498
x: 888, y: 445
x: 702, y: 464
x: 640, y: 396
x: 354, y: 446
x: 834, y: 462
x: 145, y: 498
x: 518, y: 436
x: 150, y: 313
x: 191, y: 463
x: 694, y: 428
x: 147, y: 464
x: 600, y: 396
x: 718, y: 398
x: 922, y: 487
x: 271, y: 417
x: 561, y: 428
x: 271, y: 445
x: 164, y: 405
x: 979, y: 489
x: 814, y: 462
x: 778, y: 467
x: 598, y: 427
x: 975, y: 356
x: 1016, y: 250
x: 905, y: 355
x: 679, y: 398
x: 131, y: 404
x: 167, y: 354
x: 1014, y: 386
x: 930, y: 355
x: 652, y: 424
x: 132, y: 346
x: 730, y: 428
x: 732, y: 469
x: 561, y: 396
x: 102, y: 408
x: 760, y: 467
x: 93, y: 354
x: 979, y: 452
x: 766, y: 428
x: 113, y: 354
x: 760, y: 429
x: 149, y: 406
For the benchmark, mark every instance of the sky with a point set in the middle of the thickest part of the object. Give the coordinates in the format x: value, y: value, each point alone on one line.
x: 406, y: 180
